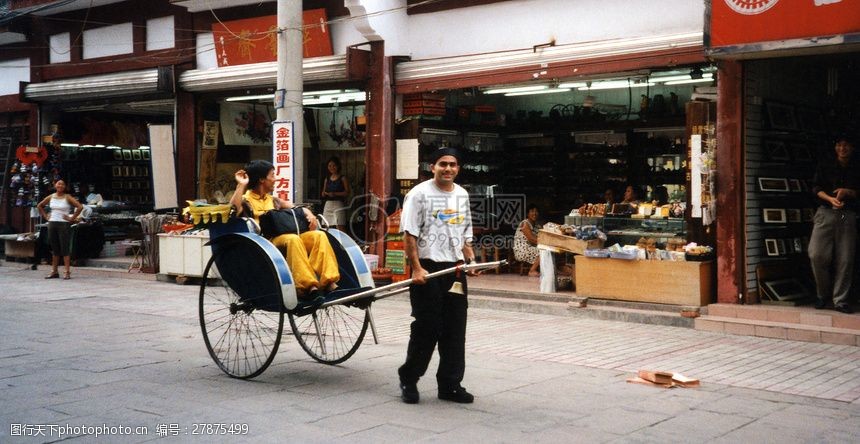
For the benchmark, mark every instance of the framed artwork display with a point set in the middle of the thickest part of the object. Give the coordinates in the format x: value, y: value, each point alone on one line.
x: 776, y: 150
x: 795, y: 186
x: 116, y: 171
x: 781, y: 116
x: 135, y: 154
x: 811, y: 120
x: 781, y: 247
x: 786, y: 289
x: 117, y: 154
x: 801, y: 153
x: 773, y: 215
x: 126, y: 154
x: 798, y: 245
x: 145, y: 154
x: 771, y: 247
x: 773, y: 184
x: 792, y: 215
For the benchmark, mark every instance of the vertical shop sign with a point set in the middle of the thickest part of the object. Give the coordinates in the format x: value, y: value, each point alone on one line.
x: 255, y: 40
x: 210, y: 134
x: 696, y: 175
x: 282, y: 158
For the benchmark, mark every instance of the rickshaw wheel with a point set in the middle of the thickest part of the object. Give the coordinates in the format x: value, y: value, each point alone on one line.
x: 241, y: 339
x: 332, y: 334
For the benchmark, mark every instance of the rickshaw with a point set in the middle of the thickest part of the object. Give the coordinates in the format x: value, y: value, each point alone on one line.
x: 247, y: 289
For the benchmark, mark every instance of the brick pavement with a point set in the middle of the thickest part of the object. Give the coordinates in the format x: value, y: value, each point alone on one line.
x: 99, y: 350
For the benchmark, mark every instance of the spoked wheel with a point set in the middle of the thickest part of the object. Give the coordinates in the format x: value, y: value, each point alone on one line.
x: 241, y: 338
x: 332, y: 334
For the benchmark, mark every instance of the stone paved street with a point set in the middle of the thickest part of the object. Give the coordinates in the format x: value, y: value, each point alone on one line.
x: 94, y: 351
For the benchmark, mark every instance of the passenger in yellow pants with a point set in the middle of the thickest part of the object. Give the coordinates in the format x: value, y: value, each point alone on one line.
x: 309, y: 255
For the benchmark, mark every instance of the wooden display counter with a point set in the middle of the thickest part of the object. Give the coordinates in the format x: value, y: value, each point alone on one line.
x: 662, y: 282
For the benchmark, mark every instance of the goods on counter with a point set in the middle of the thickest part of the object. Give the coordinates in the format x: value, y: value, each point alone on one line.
x: 592, y: 210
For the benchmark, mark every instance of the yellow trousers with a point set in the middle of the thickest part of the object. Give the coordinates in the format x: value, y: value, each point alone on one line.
x: 311, y: 259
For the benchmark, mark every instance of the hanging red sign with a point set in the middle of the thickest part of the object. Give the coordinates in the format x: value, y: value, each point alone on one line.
x: 255, y: 40
x: 743, y: 22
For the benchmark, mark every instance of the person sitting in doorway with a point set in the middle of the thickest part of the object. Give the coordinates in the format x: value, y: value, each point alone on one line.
x: 525, y: 241
x: 310, y: 256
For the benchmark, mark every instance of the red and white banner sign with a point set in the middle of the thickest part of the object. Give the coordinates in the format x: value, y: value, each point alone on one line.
x: 255, y: 40
x: 743, y: 22
x: 282, y: 158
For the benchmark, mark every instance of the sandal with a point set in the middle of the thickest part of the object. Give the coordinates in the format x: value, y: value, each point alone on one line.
x: 67, y: 276
x: 52, y: 276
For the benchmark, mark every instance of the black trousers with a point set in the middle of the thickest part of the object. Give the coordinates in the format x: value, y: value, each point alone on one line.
x: 440, y: 317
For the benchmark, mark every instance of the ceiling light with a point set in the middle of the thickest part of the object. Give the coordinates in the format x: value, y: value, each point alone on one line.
x: 320, y: 93
x: 358, y: 96
x: 259, y: 97
x: 668, y: 79
x: 544, y: 91
x: 573, y: 85
x: 682, y: 82
x: 615, y: 84
x: 516, y: 89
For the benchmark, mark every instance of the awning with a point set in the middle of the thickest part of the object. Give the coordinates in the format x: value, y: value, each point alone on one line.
x: 122, y: 84
x: 548, y: 62
x: 264, y: 75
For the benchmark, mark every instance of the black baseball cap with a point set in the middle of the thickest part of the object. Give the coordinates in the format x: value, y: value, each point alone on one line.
x: 445, y: 151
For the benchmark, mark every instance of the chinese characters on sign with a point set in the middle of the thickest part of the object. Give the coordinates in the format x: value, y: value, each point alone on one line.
x: 255, y: 40
x: 282, y: 158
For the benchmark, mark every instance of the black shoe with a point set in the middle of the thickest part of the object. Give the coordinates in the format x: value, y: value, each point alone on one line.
x: 820, y: 304
x: 459, y: 395
x: 844, y: 309
x: 409, y: 393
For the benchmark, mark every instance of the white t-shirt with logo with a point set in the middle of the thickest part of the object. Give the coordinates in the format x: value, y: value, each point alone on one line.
x: 441, y: 220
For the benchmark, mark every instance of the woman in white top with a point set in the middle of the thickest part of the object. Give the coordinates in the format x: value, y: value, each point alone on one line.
x: 61, y: 216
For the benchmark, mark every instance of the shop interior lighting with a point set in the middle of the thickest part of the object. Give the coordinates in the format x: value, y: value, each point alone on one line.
x: 543, y: 91
x: 572, y: 85
x: 708, y: 78
x: 615, y: 84
x: 312, y: 97
x: 69, y: 144
x: 516, y: 89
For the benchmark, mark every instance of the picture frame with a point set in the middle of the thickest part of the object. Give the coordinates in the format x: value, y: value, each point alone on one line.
x: 773, y: 215
x: 116, y: 171
x: 135, y: 154
x: 794, y: 186
x: 773, y: 184
x: 116, y: 185
x: 786, y: 289
x: 117, y: 154
x: 801, y: 153
x: 126, y: 154
x: 771, y: 247
x: 126, y: 170
x: 811, y: 120
x: 145, y: 154
x: 798, y: 245
x: 793, y: 216
x: 781, y: 247
x: 807, y: 214
x: 781, y: 116
x: 776, y: 150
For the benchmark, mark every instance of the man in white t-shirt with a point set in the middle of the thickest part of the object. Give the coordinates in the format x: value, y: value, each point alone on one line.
x: 437, y: 227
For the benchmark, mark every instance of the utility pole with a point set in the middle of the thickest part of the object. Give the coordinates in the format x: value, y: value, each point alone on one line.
x: 290, y: 54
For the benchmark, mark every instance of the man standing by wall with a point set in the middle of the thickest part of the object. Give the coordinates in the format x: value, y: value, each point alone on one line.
x: 438, y: 232
x: 834, y: 233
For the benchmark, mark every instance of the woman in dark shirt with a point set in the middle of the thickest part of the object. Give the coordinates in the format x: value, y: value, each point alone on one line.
x: 834, y: 232
x: 335, y: 191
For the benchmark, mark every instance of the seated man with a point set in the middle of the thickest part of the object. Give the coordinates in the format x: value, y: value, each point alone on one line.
x: 309, y: 255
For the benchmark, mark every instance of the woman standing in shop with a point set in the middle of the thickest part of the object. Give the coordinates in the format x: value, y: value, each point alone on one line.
x: 59, y: 221
x: 335, y: 191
